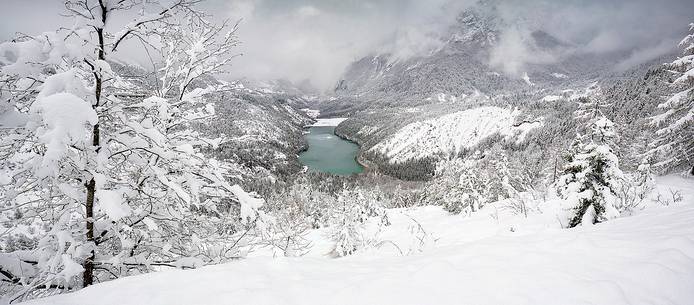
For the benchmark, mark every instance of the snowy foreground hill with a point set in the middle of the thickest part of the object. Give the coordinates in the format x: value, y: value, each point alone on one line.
x: 427, y: 256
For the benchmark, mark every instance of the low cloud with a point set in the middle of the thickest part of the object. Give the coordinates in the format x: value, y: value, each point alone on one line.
x: 317, y: 39
x: 516, y: 48
x: 642, y: 55
x: 645, y: 29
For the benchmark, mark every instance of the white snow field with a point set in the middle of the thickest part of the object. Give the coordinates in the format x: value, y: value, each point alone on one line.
x: 647, y: 258
x: 329, y: 122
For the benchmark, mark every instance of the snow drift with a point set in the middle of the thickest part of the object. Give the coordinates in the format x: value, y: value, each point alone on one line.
x: 644, y: 259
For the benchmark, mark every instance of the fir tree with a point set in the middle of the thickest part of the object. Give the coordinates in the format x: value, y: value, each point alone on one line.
x: 591, y: 176
x: 675, y: 143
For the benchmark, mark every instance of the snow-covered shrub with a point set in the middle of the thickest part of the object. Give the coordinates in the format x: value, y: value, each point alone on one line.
x: 348, y: 222
x: 289, y: 229
x: 309, y: 204
x: 517, y: 206
x: 347, y: 225
x: 672, y: 197
x: 635, y: 188
x: 420, y: 239
x: 466, y: 185
x: 313, y: 204
x: 296, y: 210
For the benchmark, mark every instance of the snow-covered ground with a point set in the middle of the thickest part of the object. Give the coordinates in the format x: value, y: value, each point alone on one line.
x: 492, y: 257
x: 313, y: 113
x: 451, y: 133
x: 329, y: 122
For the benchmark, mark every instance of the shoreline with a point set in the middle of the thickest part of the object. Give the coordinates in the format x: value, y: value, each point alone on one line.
x: 334, y: 122
x: 358, y: 157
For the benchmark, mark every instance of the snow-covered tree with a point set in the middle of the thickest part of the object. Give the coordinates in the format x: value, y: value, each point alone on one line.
x: 348, y: 221
x: 591, y: 177
x: 102, y: 177
x: 296, y: 210
x: 635, y: 188
x: 468, y: 191
x: 675, y: 143
x: 467, y: 185
x: 347, y: 224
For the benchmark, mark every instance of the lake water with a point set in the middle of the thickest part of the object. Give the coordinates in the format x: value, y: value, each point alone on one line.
x: 329, y: 153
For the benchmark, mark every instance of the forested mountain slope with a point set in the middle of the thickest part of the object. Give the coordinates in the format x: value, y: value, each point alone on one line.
x: 385, y: 96
x: 260, y: 123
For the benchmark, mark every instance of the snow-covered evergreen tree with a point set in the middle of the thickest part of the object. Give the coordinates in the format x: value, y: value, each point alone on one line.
x: 675, y: 143
x: 591, y: 176
x: 102, y: 176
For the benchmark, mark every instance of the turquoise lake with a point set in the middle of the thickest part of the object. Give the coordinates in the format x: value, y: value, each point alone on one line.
x: 329, y: 153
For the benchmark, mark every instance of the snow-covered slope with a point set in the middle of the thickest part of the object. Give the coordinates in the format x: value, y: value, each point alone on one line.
x: 643, y: 259
x: 451, y: 133
x: 328, y: 122
x: 261, y: 122
x: 263, y: 129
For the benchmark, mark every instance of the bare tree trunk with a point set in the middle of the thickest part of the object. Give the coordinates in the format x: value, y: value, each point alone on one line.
x: 88, y: 275
x: 88, y: 265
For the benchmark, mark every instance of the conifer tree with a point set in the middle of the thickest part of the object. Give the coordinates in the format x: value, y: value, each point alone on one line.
x: 675, y: 143
x: 591, y: 176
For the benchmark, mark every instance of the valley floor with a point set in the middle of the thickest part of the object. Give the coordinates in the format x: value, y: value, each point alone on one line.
x: 491, y: 257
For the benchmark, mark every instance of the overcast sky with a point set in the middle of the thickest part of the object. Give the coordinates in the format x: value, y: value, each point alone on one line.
x: 317, y: 39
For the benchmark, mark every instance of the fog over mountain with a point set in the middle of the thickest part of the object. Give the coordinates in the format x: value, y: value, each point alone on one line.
x: 316, y: 40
